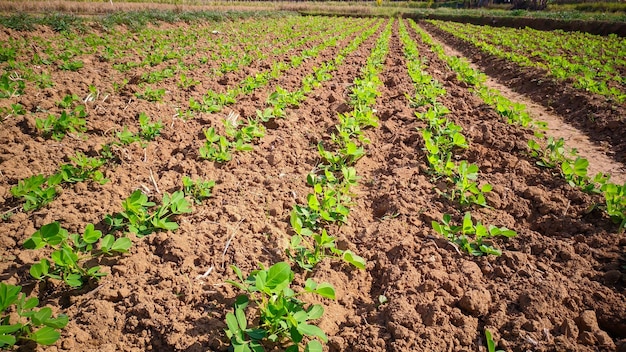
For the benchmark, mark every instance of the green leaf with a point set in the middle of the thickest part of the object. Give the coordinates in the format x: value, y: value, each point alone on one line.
x: 232, y: 323
x: 325, y: 290
x: 312, y: 330
x: 40, y: 270
x: 313, y: 346
x: 91, y: 235
x: 74, y: 280
x: 7, y: 329
x: 106, y: 243
x: 315, y: 312
x: 241, y: 319
x: 491, y: 346
x: 292, y: 348
x: 57, y: 323
x: 7, y: 340
x: 122, y: 245
x: 279, y: 276
x: 45, y: 336
x: 351, y: 258
x: 41, y: 316
x: 30, y: 303
x: 8, y: 295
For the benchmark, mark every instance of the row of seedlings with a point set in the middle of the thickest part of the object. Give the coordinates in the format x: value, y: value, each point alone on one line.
x: 442, y: 139
x: 549, y: 152
x: 282, y: 318
x: 218, y: 148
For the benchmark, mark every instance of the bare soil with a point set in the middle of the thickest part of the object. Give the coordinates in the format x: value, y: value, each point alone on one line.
x: 559, y: 285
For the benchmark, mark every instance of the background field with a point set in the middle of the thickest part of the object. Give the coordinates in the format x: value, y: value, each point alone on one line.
x: 150, y: 84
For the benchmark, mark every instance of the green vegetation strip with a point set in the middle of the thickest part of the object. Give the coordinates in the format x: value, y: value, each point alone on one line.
x: 282, y: 318
x: 441, y: 138
x: 219, y: 148
x: 549, y: 152
x: 594, y: 63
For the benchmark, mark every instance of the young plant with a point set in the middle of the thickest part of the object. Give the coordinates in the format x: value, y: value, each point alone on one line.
x: 21, y: 321
x: 57, y: 127
x: 71, y: 65
x: 71, y: 253
x: 149, y: 130
x: 282, y: 317
x: 216, y: 148
x: 36, y: 190
x: 137, y: 218
x: 465, y: 188
x: 491, y: 345
x: 460, y: 235
x: 153, y: 95
x: 85, y: 168
x: 615, y: 197
x: 199, y: 190
x: 11, y: 85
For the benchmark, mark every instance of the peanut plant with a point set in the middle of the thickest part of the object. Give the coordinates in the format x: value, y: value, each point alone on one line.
x: 72, y: 252
x: 460, y: 235
x: 282, y: 317
x: 21, y: 321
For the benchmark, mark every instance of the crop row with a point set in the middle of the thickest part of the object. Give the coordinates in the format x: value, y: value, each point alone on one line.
x: 442, y: 139
x: 213, y: 101
x: 549, y: 152
x: 238, y: 136
x: 282, y: 317
x: 224, y: 47
x: 593, y: 63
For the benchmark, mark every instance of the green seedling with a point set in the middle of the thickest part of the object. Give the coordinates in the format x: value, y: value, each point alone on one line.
x: 460, y: 235
x: 153, y: 95
x: 575, y: 173
x: 68, y: 101
x: 68, y: 262
x: 187, y: 82
x: 71, y: 65
x: 85, y: 168
x: 307, y: 249
x: 11, y: 85
x: 282, y: 317
x: 199, y: 190
x: 216, y: 148
x: 137, y: 218
x: 127, y: 137
x: 21, y: 321
x: 149, y: 130
x: 36, y: 190
x: 615, y: 197
x: 466, y: 189
x: 491, y: 345
x: 552, y: 155
x: 57, y: 127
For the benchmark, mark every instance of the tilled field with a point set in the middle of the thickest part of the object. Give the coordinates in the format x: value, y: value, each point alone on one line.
x: 559, y: 284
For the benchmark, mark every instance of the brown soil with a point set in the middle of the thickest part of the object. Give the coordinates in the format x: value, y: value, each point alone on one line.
x: 558, y: 286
